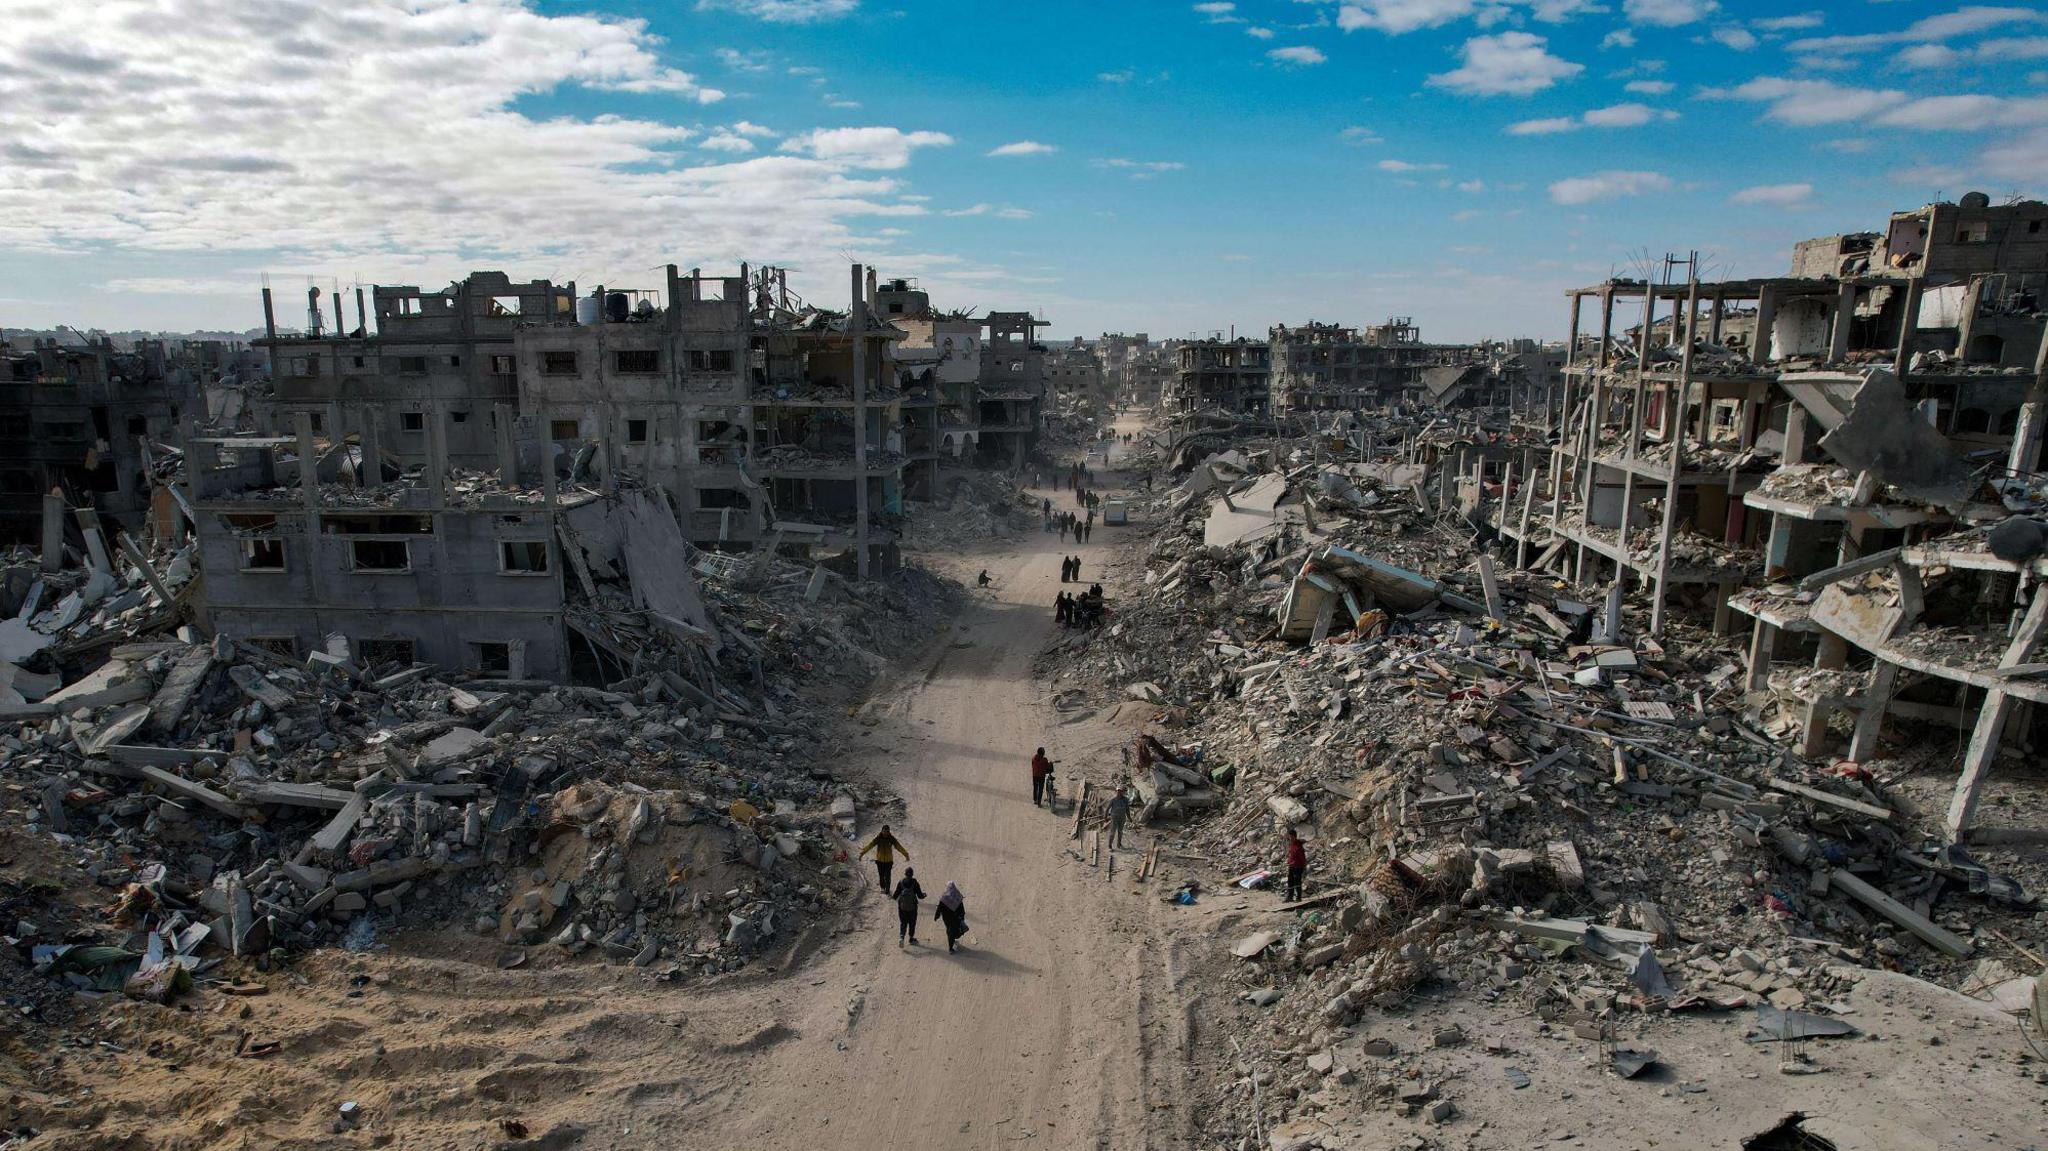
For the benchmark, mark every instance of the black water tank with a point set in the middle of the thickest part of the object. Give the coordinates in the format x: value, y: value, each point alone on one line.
x: 616, y: 309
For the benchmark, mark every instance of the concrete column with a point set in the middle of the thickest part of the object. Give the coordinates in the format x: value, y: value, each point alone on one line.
x: 53, y: 531
x: 1766, y: 316
x: 857, y: 328
x: 1797, y: 429
x: 508, y: 448
x: 2026, y: 436
x: 309, y: 465
x: 1763, y: 641
x: 1681, y: 395
x: 371, y: 443
x: 437, y: 454
x: 1845, y: 316
x: 1909, y: 323
x: 1606, y: 322
x: 1714, y: 322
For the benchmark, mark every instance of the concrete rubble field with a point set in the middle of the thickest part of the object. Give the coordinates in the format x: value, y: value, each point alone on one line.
x: 1627, y: 742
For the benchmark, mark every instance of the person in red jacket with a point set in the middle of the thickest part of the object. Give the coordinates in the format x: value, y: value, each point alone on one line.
x: 1040, y: 768
x: 1297, y: 864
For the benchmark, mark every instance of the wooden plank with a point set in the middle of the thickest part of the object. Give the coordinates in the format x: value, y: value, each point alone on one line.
x: 1937, y: 937
x: 1819, y: 796
x: 1850, y: 570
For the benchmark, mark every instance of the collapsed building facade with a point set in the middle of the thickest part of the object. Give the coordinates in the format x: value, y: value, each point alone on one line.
x: 1327, y: 367
x: 1223, y: 375
x: 76, y: 421
x: 1839, y: 462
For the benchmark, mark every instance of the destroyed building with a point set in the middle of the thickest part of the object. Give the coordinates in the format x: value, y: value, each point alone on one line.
x: 1224, y: 375
x: 1012, y: 390
x: 436, y: 364
x: 940, y: 357
x: 1329, y: 367
x: 76, y: 420
x: 1833, y: 472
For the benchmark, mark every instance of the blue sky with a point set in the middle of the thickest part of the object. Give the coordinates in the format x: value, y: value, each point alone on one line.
x: 1167, y: 167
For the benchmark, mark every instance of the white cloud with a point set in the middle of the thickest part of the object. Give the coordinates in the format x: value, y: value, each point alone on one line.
x: 1612, y: 116
x: 783, y: 11
x: 881, y: 148
x: 1360, y: 136
x: 749, y: 128
x: 1967, y: 21
x: 1852, y: 146
x: 1625, y: 116
x: 2020, y: 158
x: 1929, y: 176
x: 1619, y: 38
x: 1607, y: 186
x: 1140, y: 169
x: 1650, y: 87
x: 1406, y: 166
x: 739, y: 61
x: 1510, y: 63
x: 1475, y: 187
x: 1790, y: 23
x: 1395, y: 17
x: 1811, y: 102
x: 1299, y: 56
x: 1735, y: 36
x: 392, y: 137
x: 1775, y: 195
x: 1003, y: 212
x: 1023, y: 148
x: 1668, y: 13
x: 1549, y: 126
x: 1258, y: 33
x: 1220, y: 12
x: 1123, y: 77
x: 727, y: 142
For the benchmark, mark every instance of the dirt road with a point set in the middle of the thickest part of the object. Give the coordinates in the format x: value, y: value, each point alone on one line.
x: 1042, y: 1024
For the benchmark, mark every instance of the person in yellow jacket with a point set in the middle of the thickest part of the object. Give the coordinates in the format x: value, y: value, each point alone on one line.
x: 885, y: 846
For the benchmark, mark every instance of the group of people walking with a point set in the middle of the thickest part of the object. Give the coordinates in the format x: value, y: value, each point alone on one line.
x: 1084, y: 610
x: 952, y: 906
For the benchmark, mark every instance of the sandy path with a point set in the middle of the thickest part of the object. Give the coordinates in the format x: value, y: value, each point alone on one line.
x: 1037, y: 1029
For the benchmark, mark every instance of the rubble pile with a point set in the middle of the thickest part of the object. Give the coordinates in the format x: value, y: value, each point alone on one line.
x: 1505, y: 794
x: 973, y: 506
x: 233, y: 802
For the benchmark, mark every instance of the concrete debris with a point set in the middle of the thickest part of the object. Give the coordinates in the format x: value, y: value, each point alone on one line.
x: 245, y: 803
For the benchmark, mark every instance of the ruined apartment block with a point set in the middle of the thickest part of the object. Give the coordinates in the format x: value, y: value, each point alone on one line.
x: 1327, y: 367
x: 941, y: 362
x: 1231, y: 376
x: 75, y: 420
x: 437, y: 364
x: 1012, y: 391
x: 1833, y: 457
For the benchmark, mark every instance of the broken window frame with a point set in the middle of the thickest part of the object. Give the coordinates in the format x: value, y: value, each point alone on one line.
x: 355, y: 555
x: 262, y: 547
x: 558, y: 363
x: 536, y: 562
x: 412, y: 421
x: 485, y: 662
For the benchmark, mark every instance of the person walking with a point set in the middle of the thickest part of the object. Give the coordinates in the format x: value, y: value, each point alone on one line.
x: 1040, y: 768
x: 885, y: 846
x: 1119, y: 811
x: 952, y: 911
x: 1062, y: 609
x: 1297, y: 864
x: 907, y: 894
x: 1063, y: 528
x: 1076, y: 561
